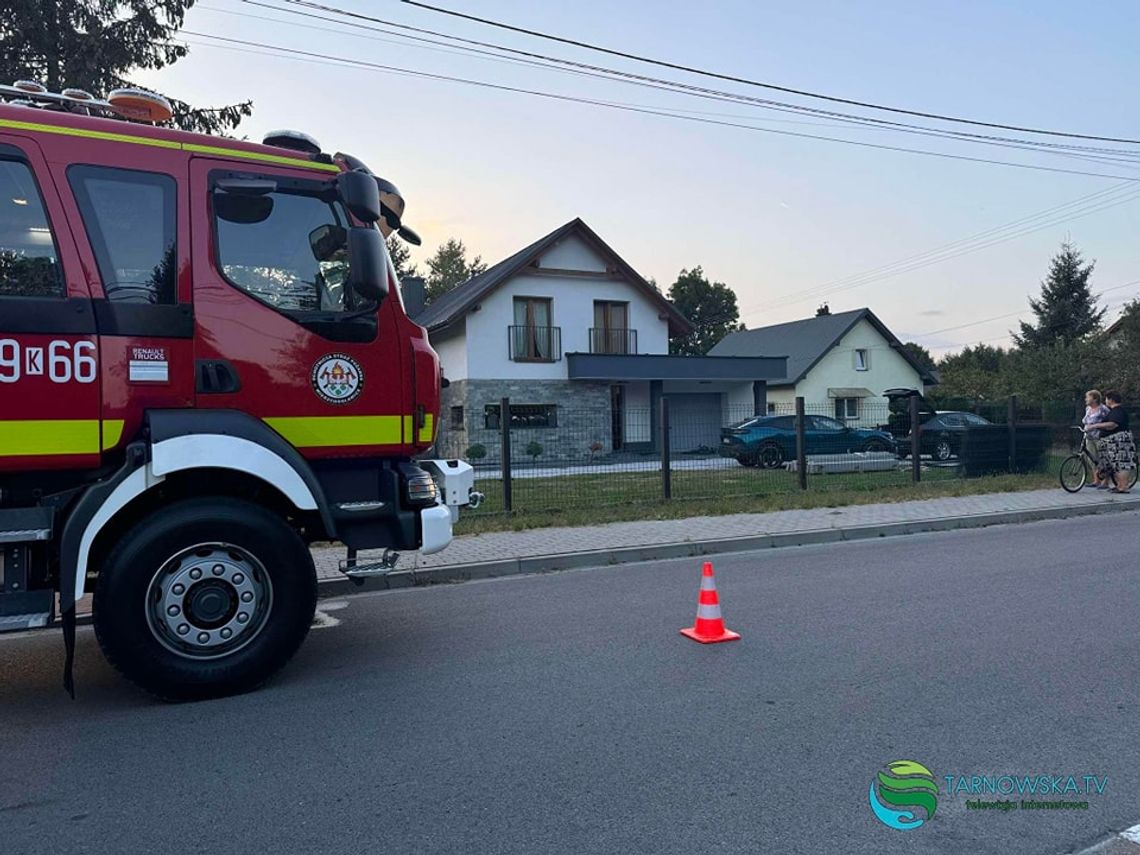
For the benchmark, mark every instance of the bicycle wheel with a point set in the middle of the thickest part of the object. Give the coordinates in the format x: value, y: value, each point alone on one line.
x: 1132, y: 475
x: 1074, y: 473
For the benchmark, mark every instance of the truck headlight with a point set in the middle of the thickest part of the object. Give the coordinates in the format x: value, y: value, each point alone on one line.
x: 419, y: 487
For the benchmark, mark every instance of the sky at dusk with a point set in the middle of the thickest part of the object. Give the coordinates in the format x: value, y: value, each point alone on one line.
x: 785, y: 221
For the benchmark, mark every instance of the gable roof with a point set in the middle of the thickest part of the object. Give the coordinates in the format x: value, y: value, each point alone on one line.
x: 807, y: 341
x: 457, y: 302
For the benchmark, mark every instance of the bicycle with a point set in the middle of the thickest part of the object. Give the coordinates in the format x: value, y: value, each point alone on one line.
x: 1075, y: 468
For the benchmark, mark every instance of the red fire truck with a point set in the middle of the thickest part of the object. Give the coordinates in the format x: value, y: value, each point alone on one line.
x: 205, y: 367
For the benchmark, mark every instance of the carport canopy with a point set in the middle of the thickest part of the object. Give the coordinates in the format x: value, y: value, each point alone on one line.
x: 647, y: 366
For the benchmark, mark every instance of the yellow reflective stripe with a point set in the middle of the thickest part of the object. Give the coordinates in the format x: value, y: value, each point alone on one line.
x: 426, y: 430
x: 80, y: 132
x: 23, y: 437
x: 171, y: 144
x: 409, y: 429
x: 255, y: 155
x: 112, y: 432
x: 326, y: 431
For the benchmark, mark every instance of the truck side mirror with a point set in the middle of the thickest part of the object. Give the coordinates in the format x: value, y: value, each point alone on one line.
x: 327, y: 240
x: 368, y: 263
x: 360, y: 195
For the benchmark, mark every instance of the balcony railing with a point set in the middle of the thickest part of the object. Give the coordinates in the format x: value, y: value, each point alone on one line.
x: 535, y: 344
x: 610, y: 340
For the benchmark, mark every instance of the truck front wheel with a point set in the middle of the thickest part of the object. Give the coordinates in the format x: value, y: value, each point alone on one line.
x: 204, y: 598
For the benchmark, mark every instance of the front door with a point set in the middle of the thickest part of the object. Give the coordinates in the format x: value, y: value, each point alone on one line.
x: 617, y: 416
x: 280, y: 337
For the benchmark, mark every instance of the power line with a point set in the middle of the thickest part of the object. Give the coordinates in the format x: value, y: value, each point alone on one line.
x: 865, y: 122
x: 749, y: 82
x: 1021, y: 312
x: 645, y: 110
x: 939, y: 258
x: 964, y: 246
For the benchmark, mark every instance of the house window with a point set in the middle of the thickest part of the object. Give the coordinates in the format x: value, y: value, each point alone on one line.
x: 771, y: 408
x: 611, y: 332
x: 522, y: 416
x: 847, y: 409
x: 533, y: 339
x: 862, y: 360
x: 457, y: 418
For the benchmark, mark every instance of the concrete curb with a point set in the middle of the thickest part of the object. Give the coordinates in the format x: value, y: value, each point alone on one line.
x: 696, y: 548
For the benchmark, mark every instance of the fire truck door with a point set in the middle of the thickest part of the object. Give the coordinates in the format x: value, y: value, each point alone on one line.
x: 131, y: 221
x: 292, y: 345
x: 49, y: 390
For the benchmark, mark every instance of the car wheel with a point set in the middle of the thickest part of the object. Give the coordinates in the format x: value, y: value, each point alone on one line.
x: 204, y: 598
x: 943, y: 451
x: 770, y: 456
x: 875, y: 445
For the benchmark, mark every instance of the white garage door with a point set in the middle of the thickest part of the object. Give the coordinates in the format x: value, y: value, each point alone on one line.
x: 694, y: 421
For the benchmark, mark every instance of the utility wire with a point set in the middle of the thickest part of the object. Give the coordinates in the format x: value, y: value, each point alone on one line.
x: 749, y: 82
x: 645, y: 110
x: 919, y: 265
x: 682, y: 88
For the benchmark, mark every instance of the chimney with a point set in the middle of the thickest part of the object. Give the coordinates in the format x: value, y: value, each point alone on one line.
x: 414, y: 292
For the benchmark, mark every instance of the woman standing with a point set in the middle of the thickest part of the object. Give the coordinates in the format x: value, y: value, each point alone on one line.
x: 1095, y: 413
x: 1117, y: 448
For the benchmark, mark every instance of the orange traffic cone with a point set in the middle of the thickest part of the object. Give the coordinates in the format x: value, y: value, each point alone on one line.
x: 709, y: 625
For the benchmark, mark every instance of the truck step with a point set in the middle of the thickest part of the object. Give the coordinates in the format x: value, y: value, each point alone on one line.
x: 16, y: 623
x: 383, y: 567
x: 24, y: 525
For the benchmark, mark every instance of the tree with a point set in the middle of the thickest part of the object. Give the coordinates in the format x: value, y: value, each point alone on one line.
x: 976, y: 373
x: 1120, y: 355
x: 1058, y: 372
x: 96, y: 44
x: 1067, y: 310
x: 920, y: 355
x: 449, y: 267
x: 709, y: 306
x: 401, y: 257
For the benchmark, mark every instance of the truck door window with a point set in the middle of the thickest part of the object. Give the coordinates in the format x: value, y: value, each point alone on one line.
x: 286, y: 248
x: 29, y: 266
x: 131, y: 223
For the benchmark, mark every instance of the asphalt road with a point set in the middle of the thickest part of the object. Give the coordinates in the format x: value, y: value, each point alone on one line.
x: 564, y: 713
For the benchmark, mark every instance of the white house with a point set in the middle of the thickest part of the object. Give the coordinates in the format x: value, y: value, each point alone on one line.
x: 842, y: 362
x: 579, y: 343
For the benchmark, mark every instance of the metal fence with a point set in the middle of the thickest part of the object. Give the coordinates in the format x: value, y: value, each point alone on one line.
x: 553, y: 457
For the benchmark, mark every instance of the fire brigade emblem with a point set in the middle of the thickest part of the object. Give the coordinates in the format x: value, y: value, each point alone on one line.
x: 337, y: 379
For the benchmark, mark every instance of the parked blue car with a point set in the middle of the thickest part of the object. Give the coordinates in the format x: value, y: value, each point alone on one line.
x: 768, y: 441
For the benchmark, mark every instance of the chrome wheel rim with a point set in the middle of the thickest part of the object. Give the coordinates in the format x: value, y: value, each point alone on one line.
x: 209, y: 601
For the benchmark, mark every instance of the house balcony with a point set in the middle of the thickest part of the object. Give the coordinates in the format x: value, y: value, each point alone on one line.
x: 607, y: 340
x: 534, y: 344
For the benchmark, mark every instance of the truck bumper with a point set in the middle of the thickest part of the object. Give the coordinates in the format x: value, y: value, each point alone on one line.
x: 435, y: 523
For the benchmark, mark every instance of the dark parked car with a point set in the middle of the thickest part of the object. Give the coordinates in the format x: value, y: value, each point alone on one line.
x: 941, y: 435
x: 898, y: 404
x: 770, y: 440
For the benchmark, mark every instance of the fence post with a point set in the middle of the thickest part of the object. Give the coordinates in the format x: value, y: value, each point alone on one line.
x: 1012, y: 418
x: 666, y: 460
x: 801, y: 445
x: 915, y: 442
x: 505, y: 451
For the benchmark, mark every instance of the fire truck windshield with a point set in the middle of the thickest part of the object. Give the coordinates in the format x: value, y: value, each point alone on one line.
x: 286, y: 248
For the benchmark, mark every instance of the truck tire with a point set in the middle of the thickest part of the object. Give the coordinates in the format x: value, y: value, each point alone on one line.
x: 205, y: 598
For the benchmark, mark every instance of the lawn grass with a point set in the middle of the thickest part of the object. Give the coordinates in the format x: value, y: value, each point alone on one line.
x: 584, y: 500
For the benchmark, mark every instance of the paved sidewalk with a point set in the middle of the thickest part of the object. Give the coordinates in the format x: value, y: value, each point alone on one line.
x: 562, y: 542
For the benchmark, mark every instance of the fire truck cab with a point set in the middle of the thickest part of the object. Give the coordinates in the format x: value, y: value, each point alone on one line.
x: 205, y: 367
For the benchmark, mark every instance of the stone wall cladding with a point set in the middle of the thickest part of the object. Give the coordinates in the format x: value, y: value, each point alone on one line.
x: 584, y: 416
